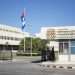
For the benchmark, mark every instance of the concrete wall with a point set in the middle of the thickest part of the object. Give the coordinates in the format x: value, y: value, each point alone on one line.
x: 65, y: 57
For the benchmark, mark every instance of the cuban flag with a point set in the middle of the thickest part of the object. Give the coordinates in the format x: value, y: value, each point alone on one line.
x: 23, y: 20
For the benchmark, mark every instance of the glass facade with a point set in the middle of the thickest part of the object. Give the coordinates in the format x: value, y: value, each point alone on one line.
x: 64, y: 47
x: 72, y: 47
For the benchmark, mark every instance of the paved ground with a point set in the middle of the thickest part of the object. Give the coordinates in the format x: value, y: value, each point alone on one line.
x: 59, y: 64
x: 28, y: 68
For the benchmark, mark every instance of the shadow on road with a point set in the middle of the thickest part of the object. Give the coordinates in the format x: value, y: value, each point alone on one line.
x: 36, y: 61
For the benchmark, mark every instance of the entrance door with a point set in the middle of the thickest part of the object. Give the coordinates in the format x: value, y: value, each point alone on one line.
x: 63, y: 47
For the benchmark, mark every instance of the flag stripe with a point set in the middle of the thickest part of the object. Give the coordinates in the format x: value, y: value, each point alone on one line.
x: 23, y: 20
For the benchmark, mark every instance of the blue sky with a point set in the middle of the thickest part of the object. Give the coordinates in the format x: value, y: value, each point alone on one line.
x: 40, y: 13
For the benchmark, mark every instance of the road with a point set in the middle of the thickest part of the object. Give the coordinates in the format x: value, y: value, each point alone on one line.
x: 28, y: 68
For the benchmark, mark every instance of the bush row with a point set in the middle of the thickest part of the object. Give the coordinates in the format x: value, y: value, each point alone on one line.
x: 27, y: 54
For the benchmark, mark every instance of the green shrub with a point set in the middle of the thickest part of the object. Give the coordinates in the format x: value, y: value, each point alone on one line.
x: 27, y: 54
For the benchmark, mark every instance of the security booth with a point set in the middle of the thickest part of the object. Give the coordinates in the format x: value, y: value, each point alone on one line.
x: 63, y: 40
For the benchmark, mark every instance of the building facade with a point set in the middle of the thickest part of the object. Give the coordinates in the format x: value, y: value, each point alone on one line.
x: 10, y: 37
x: 62, y: 38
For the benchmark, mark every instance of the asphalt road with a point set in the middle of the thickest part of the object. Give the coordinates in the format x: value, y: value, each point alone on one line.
x: 29, y: 68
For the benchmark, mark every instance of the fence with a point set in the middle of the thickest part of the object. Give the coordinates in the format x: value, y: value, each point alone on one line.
x: 6, y: 55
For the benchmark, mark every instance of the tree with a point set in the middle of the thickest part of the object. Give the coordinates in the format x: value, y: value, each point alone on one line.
x: 27, y: 44
x: 37, y: 44
x: 44, y: 44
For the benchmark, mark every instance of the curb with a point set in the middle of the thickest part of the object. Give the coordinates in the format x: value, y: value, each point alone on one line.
x: 4, y: 61
x: 13, y: 61
x: 58, y: 66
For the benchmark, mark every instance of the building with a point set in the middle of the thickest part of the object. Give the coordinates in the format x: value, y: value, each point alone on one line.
x: 10, y: 37
x: 63, y: 40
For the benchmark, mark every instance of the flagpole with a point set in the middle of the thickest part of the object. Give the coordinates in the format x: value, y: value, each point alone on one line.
x: 24, y: 49
x: 24, y: 35
x: 24, y: 43
x: 23, y: 25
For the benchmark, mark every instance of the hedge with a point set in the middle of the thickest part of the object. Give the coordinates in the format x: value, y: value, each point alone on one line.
x: 27, y: 54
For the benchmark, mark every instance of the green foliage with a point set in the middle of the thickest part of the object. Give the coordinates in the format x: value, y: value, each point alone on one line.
x: 37, y: 44
x: 27, y: 54
x: 27, y: 43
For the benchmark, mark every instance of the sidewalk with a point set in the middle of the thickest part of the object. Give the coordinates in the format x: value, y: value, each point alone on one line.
x: 22, y: 59
x: 59, y: 64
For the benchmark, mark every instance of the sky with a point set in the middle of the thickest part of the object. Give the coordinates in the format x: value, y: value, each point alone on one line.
x: 40, y: 13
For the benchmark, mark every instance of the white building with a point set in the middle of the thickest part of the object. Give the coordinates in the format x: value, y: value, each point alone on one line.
x: 62, y: 38
x: 10, y: 37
